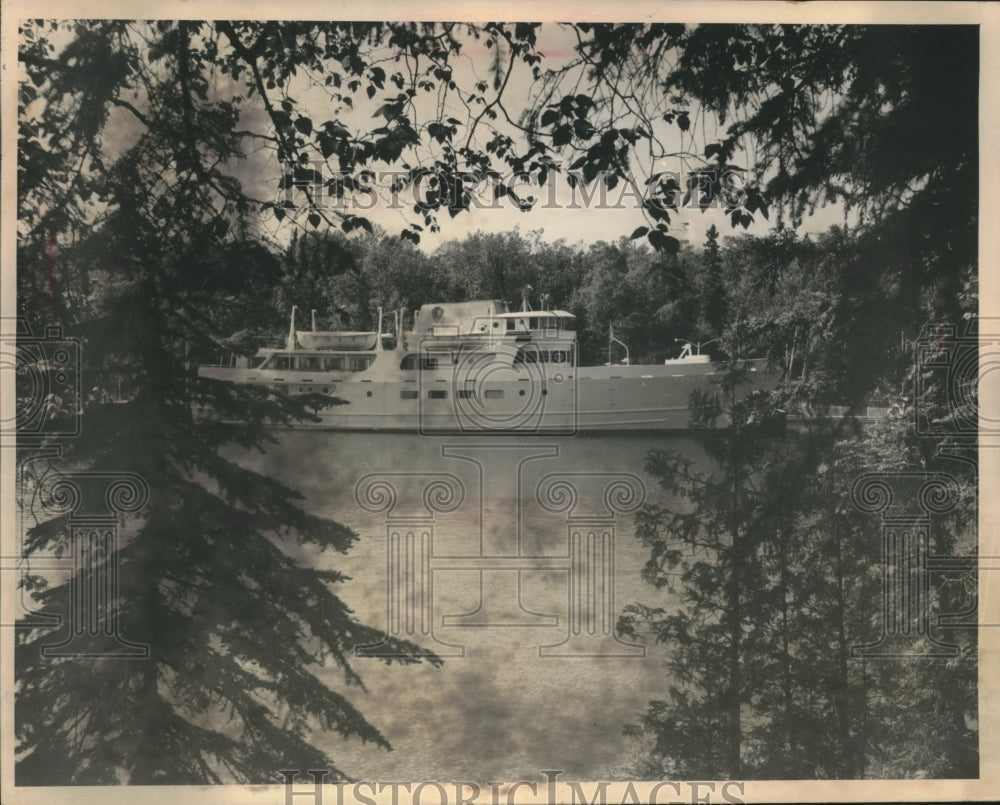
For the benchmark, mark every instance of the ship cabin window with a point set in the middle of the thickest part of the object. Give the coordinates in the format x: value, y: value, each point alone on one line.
x: 466, y: 394
x: 280, y: 363
x: 334, y: 363
x: 409, y: 363
x: 437, y: 394
x: 309, y: 363
x: 358, y: 363
x: 568, y: 323
x: 533, y: 323
x: 408, y: 394
x: 531, y: 354
x: 493, y: 394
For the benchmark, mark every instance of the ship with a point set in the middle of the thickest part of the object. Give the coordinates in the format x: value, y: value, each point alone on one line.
x: 480, y: 367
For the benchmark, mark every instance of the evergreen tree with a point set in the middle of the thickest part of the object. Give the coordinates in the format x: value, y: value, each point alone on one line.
x: 777, y: 578
x: 713, y: 290
x: 713, y: 548
x: 221, y: 578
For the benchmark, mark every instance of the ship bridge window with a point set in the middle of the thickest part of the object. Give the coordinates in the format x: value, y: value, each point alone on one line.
x: 569, y: 323
x: 280, y: 363
x: 533, y: 323
x: 560, y: 356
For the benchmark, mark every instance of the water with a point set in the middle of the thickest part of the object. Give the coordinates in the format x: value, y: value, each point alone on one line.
x: 525, y: 539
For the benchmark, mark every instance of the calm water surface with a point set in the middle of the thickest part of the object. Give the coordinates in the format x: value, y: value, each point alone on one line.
x: 515, y: 695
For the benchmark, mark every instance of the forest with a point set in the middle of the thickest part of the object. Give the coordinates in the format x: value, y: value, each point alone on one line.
x: 135, y: 237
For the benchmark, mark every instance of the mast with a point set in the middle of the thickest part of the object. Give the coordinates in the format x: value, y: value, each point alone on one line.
x: 378, y: 337
x: 314, y: 320
x: 290, y: 343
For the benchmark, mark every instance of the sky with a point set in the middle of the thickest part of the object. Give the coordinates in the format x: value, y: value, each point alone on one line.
x: 581, y: 216
x: 560, y: 212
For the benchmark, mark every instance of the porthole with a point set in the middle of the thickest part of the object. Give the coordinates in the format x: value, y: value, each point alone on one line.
x: 368, y: 394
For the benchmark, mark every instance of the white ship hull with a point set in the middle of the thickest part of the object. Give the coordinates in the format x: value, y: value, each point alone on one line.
x: 585, y: 399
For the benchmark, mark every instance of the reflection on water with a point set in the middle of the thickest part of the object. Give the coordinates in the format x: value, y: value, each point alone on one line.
x: 508, y: 556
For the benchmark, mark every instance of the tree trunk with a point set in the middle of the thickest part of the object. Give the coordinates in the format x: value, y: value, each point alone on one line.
x: 735, y: 726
